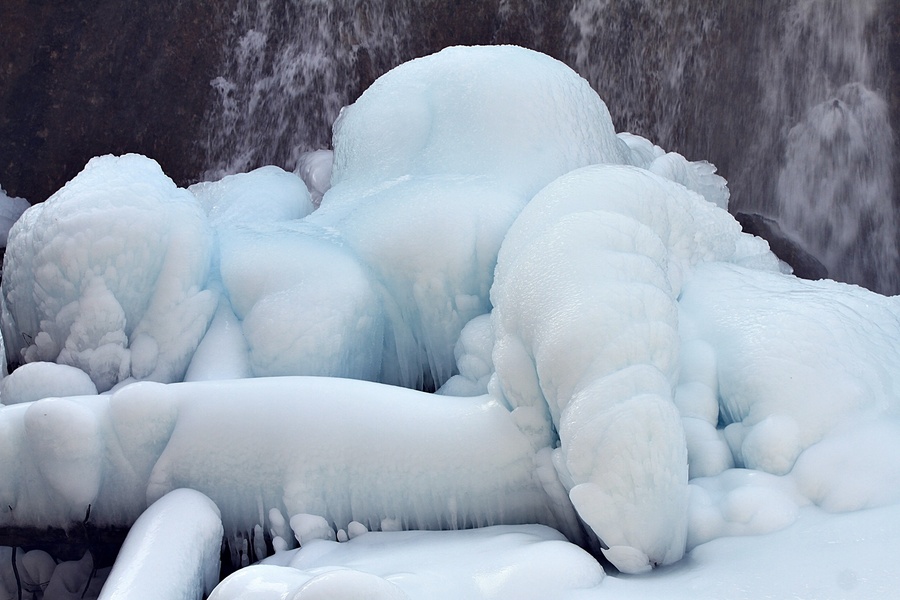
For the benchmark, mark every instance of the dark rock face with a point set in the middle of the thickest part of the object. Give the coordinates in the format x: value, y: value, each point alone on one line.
x: 84, y: 78
x: 805, y: 265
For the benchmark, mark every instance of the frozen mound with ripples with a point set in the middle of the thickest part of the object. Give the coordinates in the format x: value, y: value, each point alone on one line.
x: 109, y: 275
x: 586, y: 324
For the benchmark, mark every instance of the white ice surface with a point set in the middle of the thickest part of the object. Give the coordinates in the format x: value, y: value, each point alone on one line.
x: 340, y: 449
x: 528, y: 561
x: 37, y: 380
x: 821, y: 557
x: 171, y: 552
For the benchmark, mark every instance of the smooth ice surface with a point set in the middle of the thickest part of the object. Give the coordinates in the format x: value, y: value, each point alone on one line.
x: 339, y: 450
x: 527, y: 561
x: 822, y: 556
x: 171, y: 552
x: 38, y: 380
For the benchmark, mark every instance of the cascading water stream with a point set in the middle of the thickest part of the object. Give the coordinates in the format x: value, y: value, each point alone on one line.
x: 289, y: 68
x: 786, y: 97
x: 834, y: 187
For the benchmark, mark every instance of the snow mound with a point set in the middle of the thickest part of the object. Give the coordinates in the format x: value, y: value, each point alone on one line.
x: 431, y: 166
x: 265, y: 194
x: 513, y: 115
x: 808, y: 379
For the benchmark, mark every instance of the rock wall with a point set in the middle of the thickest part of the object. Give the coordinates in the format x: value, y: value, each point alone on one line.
x: 90, y: 77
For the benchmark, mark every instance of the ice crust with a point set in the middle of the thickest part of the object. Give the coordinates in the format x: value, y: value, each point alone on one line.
x: 615, y: 358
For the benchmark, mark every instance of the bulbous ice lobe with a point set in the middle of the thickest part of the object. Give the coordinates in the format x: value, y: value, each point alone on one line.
x: 431, y: 166
x: 302, y: 303
x: 108, y: 275
x: 586, y: 329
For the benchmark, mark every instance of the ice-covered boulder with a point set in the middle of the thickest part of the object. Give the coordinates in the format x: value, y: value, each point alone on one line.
x: 267, y: 194
x: 108, y: 275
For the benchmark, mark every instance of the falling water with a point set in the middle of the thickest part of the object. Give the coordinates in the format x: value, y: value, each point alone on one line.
x: 834, y: 187
x: 289, y: 67
x: 646, y: 58
x: 786, y: 97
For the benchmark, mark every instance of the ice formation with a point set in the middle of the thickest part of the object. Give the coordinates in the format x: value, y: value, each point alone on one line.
x: 108, y: 275
x: 615, y: 358
x: 586, y: 327
x: 171, y: 552
x: 473, y: 563
x: 11, y: 209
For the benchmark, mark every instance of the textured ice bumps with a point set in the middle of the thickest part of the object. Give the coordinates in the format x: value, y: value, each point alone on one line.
x: 108, y: 275
x: 586, y: 328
